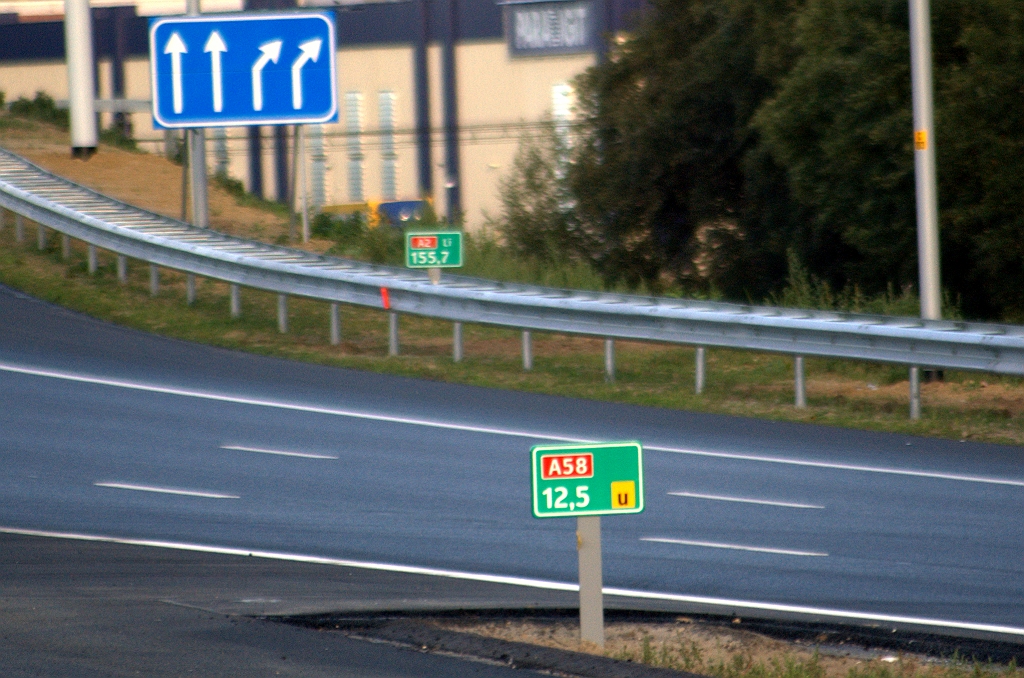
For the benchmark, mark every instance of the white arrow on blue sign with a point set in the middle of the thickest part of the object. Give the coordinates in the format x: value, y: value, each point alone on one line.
x: 243, y: 69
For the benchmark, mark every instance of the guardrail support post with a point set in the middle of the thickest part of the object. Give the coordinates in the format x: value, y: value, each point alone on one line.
x: 154, y: 280
x: 915, y: 393
x: 40, y: 237
x: 122, y: 269
x: 93, y: 264
x: 799, y: 383
x: 527, y: 351
x: 457, y: 342
x: 190, y: 288
x: 609, y: 360
x: 65, y: 246
x: 335, y: 324
x: 588, y: 543
x: 698, y: 370
x: 236, y: 301
x: 19, y: 228
x: 392, y: 333
x: 282, y: 313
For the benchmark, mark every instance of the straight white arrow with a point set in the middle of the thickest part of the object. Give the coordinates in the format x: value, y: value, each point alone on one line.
x: 215, y: 46
x: 176, y: 47
x: 310, y: 51
x: 271, y: 52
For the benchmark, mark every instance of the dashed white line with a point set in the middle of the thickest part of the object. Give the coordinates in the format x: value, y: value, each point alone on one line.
x: 167, y: 490
x: 728, y: 603
x: 741, y: 500
x: 490, y: 430
x: 280, y: 453
x: 735, y: 547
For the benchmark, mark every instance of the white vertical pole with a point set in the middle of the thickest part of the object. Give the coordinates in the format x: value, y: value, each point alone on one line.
x: 282, y: 313
x: 197, y: 157
x: 392, y: 333
x: 457, y: 342
x: 81, y: 82
x: 122, y: 269
x: 527, y: 351
x: 190, y: 288
x: 609, y: 360
x: 154, y: 280
x: 698, y: 370
x: 300, y: 152
x: 800, y: 385
x: 924, y: 160
x: 236, y: 301
x: 93, y: 263
x: 588, y: 544
x: 335, y: 324
x: 40, y: 237
x: 915, y: 393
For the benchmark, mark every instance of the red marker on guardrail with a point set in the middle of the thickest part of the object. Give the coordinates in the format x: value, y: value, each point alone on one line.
x: 385, y: 298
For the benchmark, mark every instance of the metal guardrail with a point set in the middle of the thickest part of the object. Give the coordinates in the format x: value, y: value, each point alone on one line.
x: 106, y: 223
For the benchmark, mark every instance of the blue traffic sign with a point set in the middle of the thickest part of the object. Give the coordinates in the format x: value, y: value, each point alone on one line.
x: 243, y: 69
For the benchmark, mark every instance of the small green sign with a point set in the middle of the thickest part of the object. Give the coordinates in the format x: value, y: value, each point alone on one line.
x: 433, y: 250
x: 587, y: 480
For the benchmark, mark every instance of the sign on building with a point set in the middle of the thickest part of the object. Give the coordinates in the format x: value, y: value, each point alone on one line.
x: 539, y: 28
x: 243, y: 69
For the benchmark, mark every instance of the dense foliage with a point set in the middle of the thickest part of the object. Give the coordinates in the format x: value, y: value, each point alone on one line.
x: 726, y: 137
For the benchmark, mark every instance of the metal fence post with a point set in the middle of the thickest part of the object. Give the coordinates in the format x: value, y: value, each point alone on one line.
x: 335, y: 324
x: 457, y: 342
x: 282, y: 313
x: 698, y: 370
x: 799, y: 383
x: 154, y: 280
x: 392, y: 333
x: 122, y: 269
x: 609, y: 360
x: 65, y: 246
x: 19, y: 228
x: 915, y: 392
x: 40, y: 237
x: 93, y: 263
x: 527, y: 351
x: 190, y: 288
x: 236, y: 301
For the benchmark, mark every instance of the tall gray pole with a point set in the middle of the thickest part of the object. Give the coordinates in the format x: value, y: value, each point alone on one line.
x: 924, y: 160
x: 81, y: 82
x: 197, y: 158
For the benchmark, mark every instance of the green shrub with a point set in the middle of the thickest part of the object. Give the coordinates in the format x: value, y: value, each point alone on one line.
x: 41, y: 108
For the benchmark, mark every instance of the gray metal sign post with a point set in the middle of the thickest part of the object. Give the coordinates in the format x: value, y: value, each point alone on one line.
x: 588, y: 544
x: 197, y: 158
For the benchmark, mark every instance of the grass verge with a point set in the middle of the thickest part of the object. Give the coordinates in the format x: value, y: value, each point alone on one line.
x: 840, y: 393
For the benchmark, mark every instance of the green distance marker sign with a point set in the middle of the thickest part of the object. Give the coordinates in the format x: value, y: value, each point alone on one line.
x: 442, y: 249
x: 587, y: 480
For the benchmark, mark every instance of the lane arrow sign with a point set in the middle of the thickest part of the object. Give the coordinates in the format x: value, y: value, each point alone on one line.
x: 176, y: 47
x: 310, y: 51
x: 215, y: 47
x: 271, y: 52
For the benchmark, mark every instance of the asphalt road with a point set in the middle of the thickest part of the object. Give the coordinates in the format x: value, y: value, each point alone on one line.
x: 112, y: 432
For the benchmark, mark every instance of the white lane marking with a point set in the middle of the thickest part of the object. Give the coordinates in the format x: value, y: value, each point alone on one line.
x: 741, y: 500
x: 167, y: 490
x: 295, y: 407
x: 282, y: 453
x: 734, y: 547
x: 529, y: 582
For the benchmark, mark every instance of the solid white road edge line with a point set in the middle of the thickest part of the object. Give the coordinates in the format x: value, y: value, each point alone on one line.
x: 295, y: 407
x: 167, y: 490
x: 281, y: 453
x: 532, y: 583
x: 733, y: 547
x: 741, y: 500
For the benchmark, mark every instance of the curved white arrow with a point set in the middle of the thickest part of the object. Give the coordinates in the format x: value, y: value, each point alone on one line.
x: 310, y: 51
x: 215, y: 46
x: 271, y: 52
x: 176, y: 47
